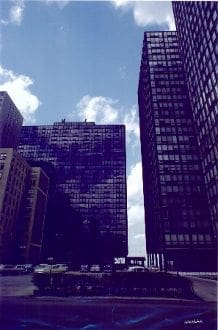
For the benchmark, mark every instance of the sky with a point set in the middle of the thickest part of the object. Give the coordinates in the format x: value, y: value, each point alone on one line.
x: 80, y: 60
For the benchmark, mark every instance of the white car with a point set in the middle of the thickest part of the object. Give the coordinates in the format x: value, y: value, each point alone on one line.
x: 137, y: 269
x: 45, y: 268
x: 29, y: 267
x: 95, y: 268
x: 59, y: 268
x: 42, y: 268
x: 154, y: 269
x: 84, y: 268
x: 7, y: 270
x: 20, y: 269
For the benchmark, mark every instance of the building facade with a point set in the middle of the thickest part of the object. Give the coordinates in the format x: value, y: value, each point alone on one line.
x: 86, y: 220
x: 14, y: 171
x: 23, y: 198
x: 30, y: 228
x: 196, y: 24
x: 179, y: 231
x: 10, y: 122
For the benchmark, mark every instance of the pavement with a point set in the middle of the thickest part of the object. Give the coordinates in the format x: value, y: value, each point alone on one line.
x: 205, y: 289
x: 16, y: 286
x: 19, y: 309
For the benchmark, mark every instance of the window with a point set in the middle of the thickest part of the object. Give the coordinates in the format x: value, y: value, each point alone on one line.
x: 3, y: 156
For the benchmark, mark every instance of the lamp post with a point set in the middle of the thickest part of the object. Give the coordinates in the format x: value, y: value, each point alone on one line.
x: 50, y: 261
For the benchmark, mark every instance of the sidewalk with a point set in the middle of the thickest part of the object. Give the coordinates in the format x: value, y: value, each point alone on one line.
x: 204, y: 288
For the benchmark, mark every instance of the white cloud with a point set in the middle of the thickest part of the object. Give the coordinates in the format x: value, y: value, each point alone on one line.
x: 136, y: 211
x: 18, y: 87
x: 139, y: 236
x: 147, y: 13
x: 134, y: 182
x: 99, y: 109
x: 60, y: 3
x: 132, y: 126
x: 105, y: 110
x: 16, y: 12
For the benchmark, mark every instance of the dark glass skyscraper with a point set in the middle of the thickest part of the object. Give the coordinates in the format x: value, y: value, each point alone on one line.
x: 87, y: 213
x: 196, y: 23
x: 179, y: 231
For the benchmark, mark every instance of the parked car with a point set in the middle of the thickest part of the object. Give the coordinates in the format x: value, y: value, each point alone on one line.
x: 95, y: 268
x: 137, y: 269
x: 84, y: 268
x: 108, y: 268
x: 20, y: 269
x: 59, y: 268
x: 154, y: 269
x: 45, y: 268
x: 29, y: 267
x: 7, y: 270
x: 42, y: 268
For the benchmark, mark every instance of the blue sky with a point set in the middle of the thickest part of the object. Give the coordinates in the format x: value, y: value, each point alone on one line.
x: 77, y: 60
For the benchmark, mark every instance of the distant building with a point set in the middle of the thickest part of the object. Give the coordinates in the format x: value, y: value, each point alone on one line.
x: 196, y: 23
x: 10, y: 122
x: 15, y: 176
x: 135, y: 261
x: 179, y: 230
x: 86, y: 220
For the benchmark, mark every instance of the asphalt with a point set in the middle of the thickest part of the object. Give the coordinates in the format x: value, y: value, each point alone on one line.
x: 19, y: 309
x: 205, y: 289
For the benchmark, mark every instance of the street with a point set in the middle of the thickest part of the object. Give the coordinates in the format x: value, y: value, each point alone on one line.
x: 204, y: 288
x: 20, y: 310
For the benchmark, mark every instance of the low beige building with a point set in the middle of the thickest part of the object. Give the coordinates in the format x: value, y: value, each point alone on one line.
x: 14, y: 172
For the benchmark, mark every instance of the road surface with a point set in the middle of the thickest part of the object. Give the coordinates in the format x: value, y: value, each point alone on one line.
x: 19, y: 310
x: 204, y: 288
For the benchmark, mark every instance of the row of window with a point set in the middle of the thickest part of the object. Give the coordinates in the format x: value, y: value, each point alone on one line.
x: 180, y: 188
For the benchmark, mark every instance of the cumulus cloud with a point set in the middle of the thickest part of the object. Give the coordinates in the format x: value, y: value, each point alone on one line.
x: 18, y: 87
x: 105, y: 110
x: 136, y: 210
x: 135, y: 182
x: 16, y: 13
x: 132, y: 126
x: 149, y: 13
x: 98, y: 108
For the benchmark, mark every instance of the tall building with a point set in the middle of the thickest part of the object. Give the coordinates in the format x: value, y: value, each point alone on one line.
x: 179, y: 231
x: 196, y: 24
x: 86, y: 220
x: 21, y: 199
x: 10, y: 122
